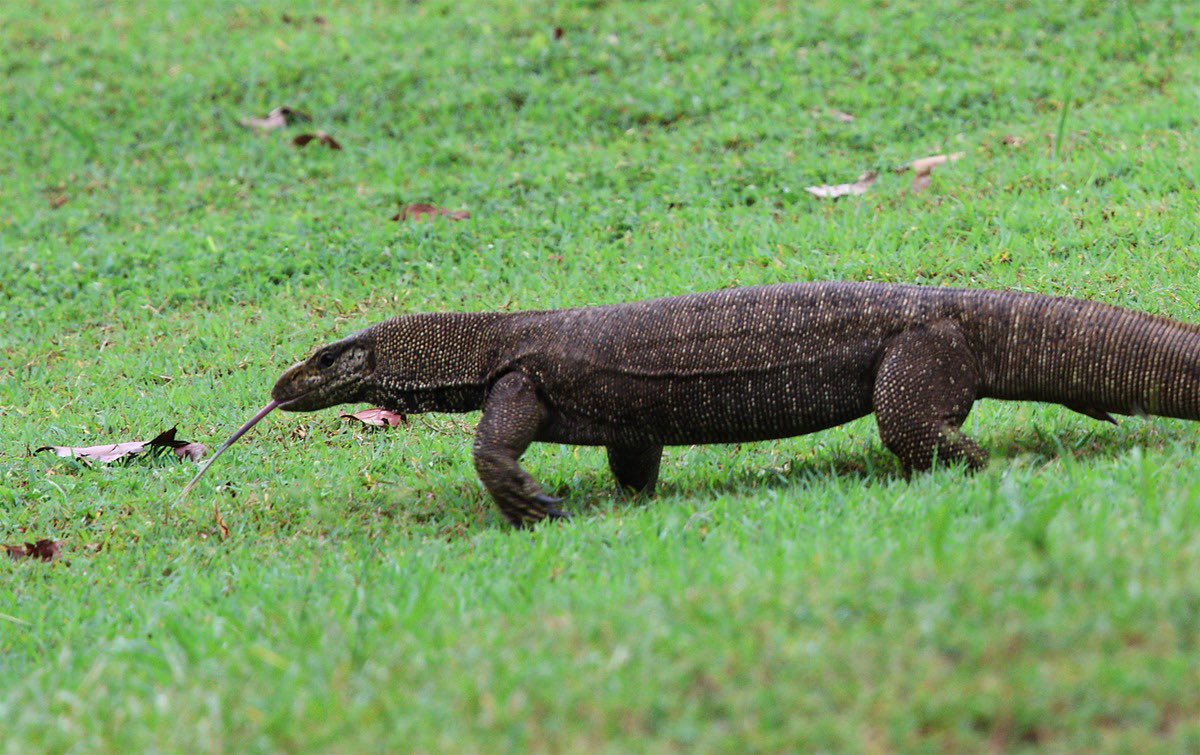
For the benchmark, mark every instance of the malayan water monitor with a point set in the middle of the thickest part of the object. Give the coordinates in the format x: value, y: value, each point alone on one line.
x: 752, y: 364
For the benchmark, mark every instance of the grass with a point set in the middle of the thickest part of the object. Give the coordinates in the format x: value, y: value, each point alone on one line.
x: 161, y: 265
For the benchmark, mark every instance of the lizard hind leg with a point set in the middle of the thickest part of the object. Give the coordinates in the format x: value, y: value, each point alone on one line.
x: 635, y: 467
x: 924, y: 388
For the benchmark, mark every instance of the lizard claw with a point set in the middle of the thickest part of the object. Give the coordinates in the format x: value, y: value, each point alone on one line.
x: 549, y: 504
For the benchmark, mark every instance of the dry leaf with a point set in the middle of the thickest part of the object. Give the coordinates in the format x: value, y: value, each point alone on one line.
x: 428, y: 212
x: 224, y: 528
x: 377, y: 417
x: 42, y: 550
x: 190, y: 451
x: 295, y: 21
x: 277, y: 118
x: 115, y: 451
x: 842, y: 190
x: 558, y: 32
x: 923, y: 167
x: 1012, y: 140
x: 320, y: 136
x: 926, y: 164
x: 103, y: 454
x: 841, y: 117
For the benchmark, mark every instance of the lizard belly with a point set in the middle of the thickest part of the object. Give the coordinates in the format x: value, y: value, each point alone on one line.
x: 727, y: 408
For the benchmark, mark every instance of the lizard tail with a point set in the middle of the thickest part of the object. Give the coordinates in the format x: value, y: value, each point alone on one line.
x: 1095, y: 359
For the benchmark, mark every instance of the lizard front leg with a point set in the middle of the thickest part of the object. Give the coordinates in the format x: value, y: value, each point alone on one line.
x: 635, y: 466
x: 513, y: 416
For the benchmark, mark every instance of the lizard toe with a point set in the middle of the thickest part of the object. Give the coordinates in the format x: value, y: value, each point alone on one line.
x: 549, y: 505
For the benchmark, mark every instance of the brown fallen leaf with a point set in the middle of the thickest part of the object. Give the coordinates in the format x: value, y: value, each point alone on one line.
x: 558, y: 32
x: 843, y: 190
x: 841, y: 117
x: 923, y: 167
x: 300, y: 20
x: 377, y: 417
x: 1012, y: 140
x: 190, y: 451
x: 42, y: 550
x: 926, y: 164
x: 115, y: 451
x: 224, y: 528
x: 277, y: 118
x: 429, y: 212
x: 320, y: 136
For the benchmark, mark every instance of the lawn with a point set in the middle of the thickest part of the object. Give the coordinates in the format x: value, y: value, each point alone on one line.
x: 161, y: 264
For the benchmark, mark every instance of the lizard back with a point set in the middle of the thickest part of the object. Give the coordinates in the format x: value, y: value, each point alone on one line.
x: 775, y: 361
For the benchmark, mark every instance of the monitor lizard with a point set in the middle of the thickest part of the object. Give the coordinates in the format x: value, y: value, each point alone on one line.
x: 751, y: 364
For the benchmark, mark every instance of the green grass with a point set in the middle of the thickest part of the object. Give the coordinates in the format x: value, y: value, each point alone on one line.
x: 161, y: 265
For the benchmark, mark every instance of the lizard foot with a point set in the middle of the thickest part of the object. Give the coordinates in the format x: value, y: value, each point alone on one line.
x: 549, y: 504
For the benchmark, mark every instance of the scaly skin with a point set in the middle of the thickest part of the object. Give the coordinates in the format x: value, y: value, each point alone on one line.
x: 752, y: 364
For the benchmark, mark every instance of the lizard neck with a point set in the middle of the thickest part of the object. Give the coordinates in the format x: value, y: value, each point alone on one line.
x: 435, y: 362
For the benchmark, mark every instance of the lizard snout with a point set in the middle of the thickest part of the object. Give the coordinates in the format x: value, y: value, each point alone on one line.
x: 333, y: 375
x: 290, y: 386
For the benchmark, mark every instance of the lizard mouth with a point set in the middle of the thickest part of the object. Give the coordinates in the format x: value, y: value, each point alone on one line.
x: 283, y: 405
x: 308, y: 401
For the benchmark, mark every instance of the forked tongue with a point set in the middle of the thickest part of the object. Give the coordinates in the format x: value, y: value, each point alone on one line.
x: 241, y: 431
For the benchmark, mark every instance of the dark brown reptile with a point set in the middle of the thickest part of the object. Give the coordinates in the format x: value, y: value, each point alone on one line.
x: 752, y: 364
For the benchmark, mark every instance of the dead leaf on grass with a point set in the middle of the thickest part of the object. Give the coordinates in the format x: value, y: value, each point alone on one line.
x: 926, y: 164
x: 190, y: 451
x: 923, y: 167
x: 116, y: 451
x: 42, y: 550
x: 276, y: 119
x: 224, y: 528
x: 319, y: 136
x: 377, y: 417
x: 429, y: 212
x: 841, y: 117
x: 1012, y: 140
x: 844, y: 190
x: 300, y: 21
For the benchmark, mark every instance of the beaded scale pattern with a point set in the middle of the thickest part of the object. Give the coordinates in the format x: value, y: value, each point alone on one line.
x: 752, y: 364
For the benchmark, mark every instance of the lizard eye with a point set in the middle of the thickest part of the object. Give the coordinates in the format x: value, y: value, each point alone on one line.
x: 327, y: 359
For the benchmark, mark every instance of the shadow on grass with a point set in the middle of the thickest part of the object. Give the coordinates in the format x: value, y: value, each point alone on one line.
x: 876, y: 465
x: 454, y: 510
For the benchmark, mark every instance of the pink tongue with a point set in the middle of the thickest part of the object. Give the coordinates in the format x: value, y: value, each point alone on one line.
x: 242, y: 431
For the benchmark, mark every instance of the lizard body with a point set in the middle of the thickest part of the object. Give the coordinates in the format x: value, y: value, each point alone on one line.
x: 752, y: 364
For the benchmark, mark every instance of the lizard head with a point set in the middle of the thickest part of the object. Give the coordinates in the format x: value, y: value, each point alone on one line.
x: 334, y: 374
